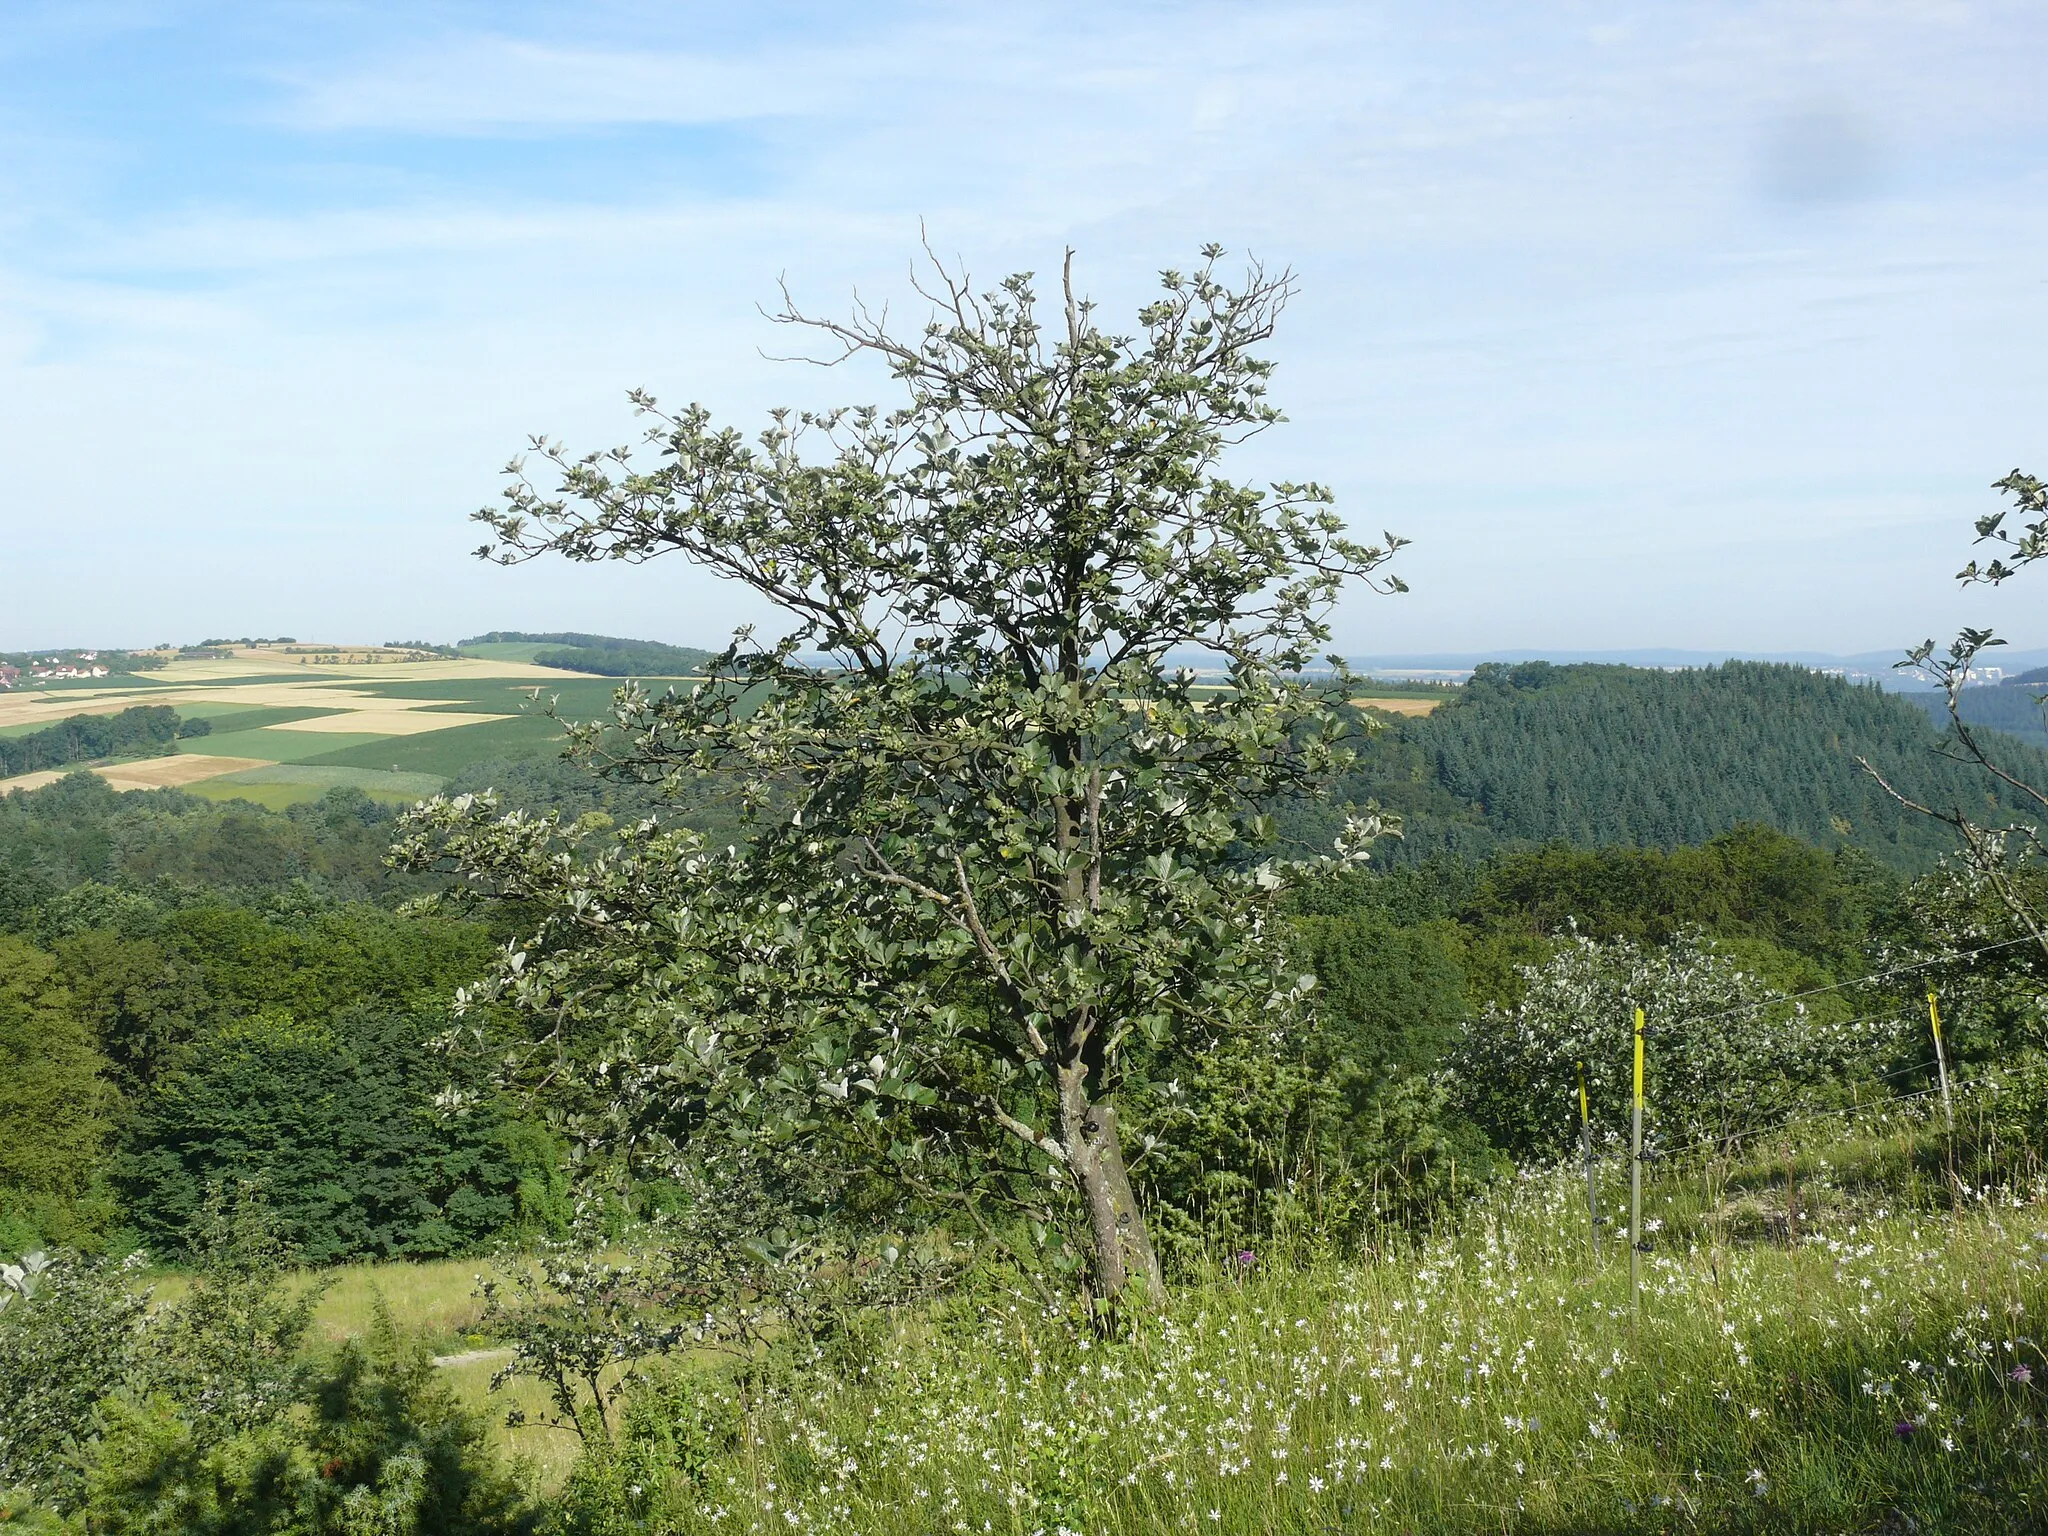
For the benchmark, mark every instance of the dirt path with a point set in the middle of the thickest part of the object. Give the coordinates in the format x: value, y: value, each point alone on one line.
x: 473, y: 1357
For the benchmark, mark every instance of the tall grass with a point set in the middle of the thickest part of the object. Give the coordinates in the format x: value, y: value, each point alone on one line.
x: 1872, y: 1368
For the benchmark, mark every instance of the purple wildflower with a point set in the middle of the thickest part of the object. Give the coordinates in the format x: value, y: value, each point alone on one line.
x: 1246, y: 1258
x: 2022, y: 1374
x: 1905, y: 1429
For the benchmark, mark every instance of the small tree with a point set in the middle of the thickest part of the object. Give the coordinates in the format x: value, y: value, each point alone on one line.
x: 996, y: 823
x: 1729, y: 1054
x: 2009, y: 860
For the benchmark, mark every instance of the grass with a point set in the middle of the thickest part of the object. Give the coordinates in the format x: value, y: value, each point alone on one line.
x: 436, y: 1303
x: 1875, y: 1365
x: 1882, y: 1372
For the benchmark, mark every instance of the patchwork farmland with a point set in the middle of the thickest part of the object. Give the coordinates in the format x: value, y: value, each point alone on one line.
x: 288, y: 725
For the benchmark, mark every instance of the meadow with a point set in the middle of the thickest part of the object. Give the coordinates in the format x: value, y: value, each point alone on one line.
x: 1490, y: 1380
x: 1872, y: 1363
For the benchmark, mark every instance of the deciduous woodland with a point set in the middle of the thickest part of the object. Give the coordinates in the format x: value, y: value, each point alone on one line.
x: 957, y: 1064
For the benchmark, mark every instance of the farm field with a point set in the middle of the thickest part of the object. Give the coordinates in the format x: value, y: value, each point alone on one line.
x: 1404, y: 705
x: 288, y: 726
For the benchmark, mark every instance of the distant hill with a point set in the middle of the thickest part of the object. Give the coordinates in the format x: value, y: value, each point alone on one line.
x: 2029, y: 679
x: 1874, y: 666
x: 605, y: 655
x: 2016, y: 711
x: 1594, y: 754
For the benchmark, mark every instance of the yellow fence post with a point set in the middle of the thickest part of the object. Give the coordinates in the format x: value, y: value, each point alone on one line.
x: 1586, y: 1152
x: 1635, y: 1184
x: 1948, y: 1108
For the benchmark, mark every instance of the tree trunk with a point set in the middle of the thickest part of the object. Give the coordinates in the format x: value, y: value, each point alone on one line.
x: 1122, y: 1247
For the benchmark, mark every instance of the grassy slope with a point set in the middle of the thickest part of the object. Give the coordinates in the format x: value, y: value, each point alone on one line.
x: 1489, y: 1380
x: 1486, y: 1378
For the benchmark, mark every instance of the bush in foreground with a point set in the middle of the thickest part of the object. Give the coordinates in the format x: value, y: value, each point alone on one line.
x: 214, y: 1416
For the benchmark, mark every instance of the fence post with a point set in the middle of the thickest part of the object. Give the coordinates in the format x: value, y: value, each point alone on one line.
x: 1635, y: 1185
x: 1948, y: 1108
x: 1586, y: 1152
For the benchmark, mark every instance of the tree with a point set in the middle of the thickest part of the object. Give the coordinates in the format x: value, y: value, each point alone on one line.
x: 2010, y: 860
x: 1729, y: 1055
x: 995, y: 826
x: 56, y: 1105
x: 339, y: 1121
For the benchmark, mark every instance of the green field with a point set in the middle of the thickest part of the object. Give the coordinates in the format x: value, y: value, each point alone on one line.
x: 289, y: 784
x: 282, y: 746
x: 445, y: 753
x: 239, y: 717
x: 250, y: 717
x: 578, y: 695
x: 112, y: 680
x: 280, y: 797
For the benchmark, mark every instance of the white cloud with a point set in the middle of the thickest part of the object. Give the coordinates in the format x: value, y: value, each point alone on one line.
x: 1554, y: 321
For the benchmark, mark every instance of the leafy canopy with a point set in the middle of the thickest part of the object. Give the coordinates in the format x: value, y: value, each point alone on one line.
x: 992, y: 813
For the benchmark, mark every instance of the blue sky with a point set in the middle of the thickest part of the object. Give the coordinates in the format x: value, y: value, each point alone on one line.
x: 1660, y: 324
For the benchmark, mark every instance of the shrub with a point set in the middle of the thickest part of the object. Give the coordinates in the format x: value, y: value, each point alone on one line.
x: 68, y: 1329
x: 373, y: 1445
x: 1726, y: 1053
x: 210, y: 1417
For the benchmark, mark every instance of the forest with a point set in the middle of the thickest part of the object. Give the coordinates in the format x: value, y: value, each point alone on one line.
x: 1537, y: 753
x: 603, y: 655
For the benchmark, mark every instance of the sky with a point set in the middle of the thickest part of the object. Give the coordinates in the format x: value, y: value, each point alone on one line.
x: 1690, y: 325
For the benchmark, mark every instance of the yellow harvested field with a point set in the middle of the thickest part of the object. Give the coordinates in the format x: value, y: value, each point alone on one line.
x: 148, y: 772
x: 26, y: 781
x: 1399, y: 706
x: 389, y: 718
x: 30, y: 708
x: 170, y: 772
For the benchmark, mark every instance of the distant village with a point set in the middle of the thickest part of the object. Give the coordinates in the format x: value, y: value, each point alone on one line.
x: 52, y: 669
